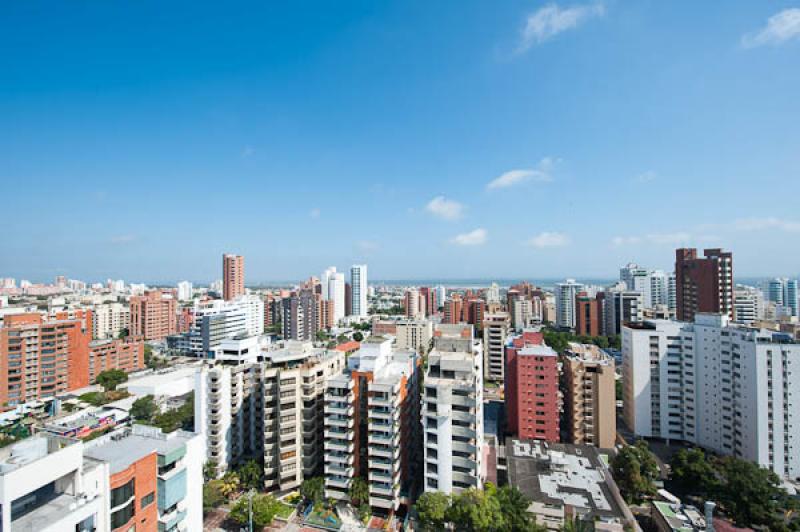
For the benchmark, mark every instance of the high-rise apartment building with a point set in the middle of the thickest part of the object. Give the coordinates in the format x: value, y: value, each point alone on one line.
x: 726, y: 388
x: 109, y: 320
x: 453, y: 309
x: 217, y: 320
x: 783, y: 292
x: 414, y: 335
x: 703, y: 284
x: 565, y: 303
x: 748, y: 304
x: 495, y: 331
x: 589, y: 390
x: 153, y: 315
x: 266, y: 403
x: 300, y: 316
x: 428, y: 294
x: 358, y: 283
x: 588, y: 315
x: 41, y: 358
x: 372, y: 425
x: 184, y: 291
x: 621, y: 307
x: 414, y: 304
x: 533, y: 400
x: 232, y: 276
x: 127, y: 355
x: 452, y: 412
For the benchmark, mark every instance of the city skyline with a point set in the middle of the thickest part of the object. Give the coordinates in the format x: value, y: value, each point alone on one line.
x: 566, y: 138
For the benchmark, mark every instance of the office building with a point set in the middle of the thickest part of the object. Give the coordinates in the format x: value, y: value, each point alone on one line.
x: 565, y: 303
x: 533, y: 400
x: 41, y: 358
x: 358, y: 284
x: 726, y: 388
x: 110, y: 320
x: 232, y: 276
x: 452, y: 412
x: 703, y: 284
x: 783, y: 292
x: 589, y: 396
x: 495, y: 331
x: 153, y: 315
x: 372, y: 425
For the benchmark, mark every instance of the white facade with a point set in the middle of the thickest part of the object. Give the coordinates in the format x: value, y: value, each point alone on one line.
x: 336, y: 293
x: 495, y: 333
x: 358, y: 284
x: 452, y: 415
x: 184, y: 291
x: 748, y: 304
x: 729, y: 389
x: 46, y: 482
x: 109, y: 320
x: 565, y: 302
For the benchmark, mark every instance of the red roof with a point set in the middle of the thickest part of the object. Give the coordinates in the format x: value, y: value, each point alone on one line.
x: 348, y: 346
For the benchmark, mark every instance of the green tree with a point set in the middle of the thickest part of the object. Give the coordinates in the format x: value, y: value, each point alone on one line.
x: 571, y: 524
x: 364, y: 512
x: 251, y: 475
x: 359, y: 492
x: 210, y: 470
x: 111, y: 378
x: 322, y: 336
x: 313, y: 489
x: 144, y: 408
x: 265, y: 508
x: 750, y: 494
x: 514, y: 506
x: 432, y: 509
x: 635, y: 470
x: 476, y: 511
x: 692, y: 474
x: 212, y: 496
x: 358, y: 337
x: 124, y: 333
x: 229, y: 484
x: 148, y: 355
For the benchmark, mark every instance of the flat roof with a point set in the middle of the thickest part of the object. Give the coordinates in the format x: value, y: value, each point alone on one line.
x: 562, y: 474
x: 126, y: 450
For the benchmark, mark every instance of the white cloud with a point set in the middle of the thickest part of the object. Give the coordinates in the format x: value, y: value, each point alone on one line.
x: 781, y: 27
x: 759, y: 224
x: 646, y: 177
x: 549, y: 240
x: 315, y: 213
x: 542, y: 174
x: 445, y: 208
x: 550, y: 20
x: 477, y: 237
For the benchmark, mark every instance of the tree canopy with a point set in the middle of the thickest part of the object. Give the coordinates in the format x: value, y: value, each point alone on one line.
x: 144, y: 408
x: 111, y: 378
x: 313, y: 489
x: 265, y: 508
x: 635, y: 471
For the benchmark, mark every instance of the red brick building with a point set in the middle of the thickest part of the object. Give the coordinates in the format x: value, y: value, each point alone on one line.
x: 587, y: 315
x: 232, y: 276
x: 154, y: 315
x: 703, y: 284
x: 532, y: 398
x: 41, y: 358
x: 115, y: 354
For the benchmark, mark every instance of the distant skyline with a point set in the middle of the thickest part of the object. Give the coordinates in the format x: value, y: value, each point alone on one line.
x: 450, y: 140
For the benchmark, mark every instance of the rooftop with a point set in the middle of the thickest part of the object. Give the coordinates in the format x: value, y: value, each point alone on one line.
x: 561, y: 474
x: 123, y: 447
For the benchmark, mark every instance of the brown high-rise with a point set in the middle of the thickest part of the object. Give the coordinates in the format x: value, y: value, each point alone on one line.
x: 703, y: 284
x: 587, y: 315
x: 232, y: 276
x: 588, y: 387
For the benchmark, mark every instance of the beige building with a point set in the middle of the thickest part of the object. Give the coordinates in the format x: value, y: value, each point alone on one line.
x: 495, y: 333
x: 589, y: 395
x: 413, y: 334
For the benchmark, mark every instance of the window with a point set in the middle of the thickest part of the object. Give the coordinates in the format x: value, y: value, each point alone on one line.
x: 148, y: 499
x: 121, y: 494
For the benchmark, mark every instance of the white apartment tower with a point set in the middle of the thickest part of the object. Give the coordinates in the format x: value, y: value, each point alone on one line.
x: 565, y: 302
x: 727, y: 388
x: 184, y: 291
x: 452, y: 412
x: 358, y: 283
x: 495, y: 334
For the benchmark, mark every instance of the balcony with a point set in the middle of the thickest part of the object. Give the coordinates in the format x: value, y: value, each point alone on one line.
x: 339, y: 446
x: 332, y: 409
x: 339, y: 435
x: 380, y: 401
x: 337, y: 482
x: 332, y: 469
x: 339, y: 422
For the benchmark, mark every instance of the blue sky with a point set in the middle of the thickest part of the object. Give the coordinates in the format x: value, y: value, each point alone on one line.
x: 456, y: 139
